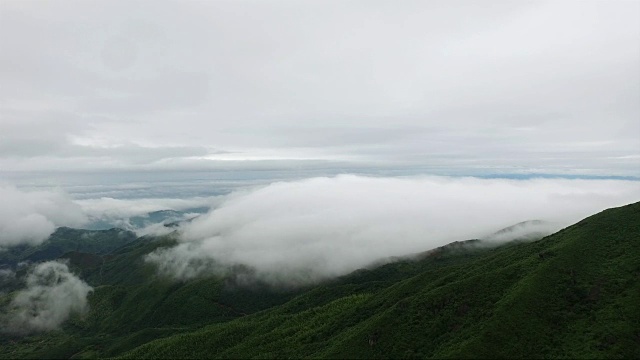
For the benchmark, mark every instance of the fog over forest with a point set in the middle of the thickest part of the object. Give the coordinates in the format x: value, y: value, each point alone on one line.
x: 300, y: 231
x: 319, y: 179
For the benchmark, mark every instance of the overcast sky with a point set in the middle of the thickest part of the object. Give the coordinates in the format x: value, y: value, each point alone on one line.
x: 447, y: 86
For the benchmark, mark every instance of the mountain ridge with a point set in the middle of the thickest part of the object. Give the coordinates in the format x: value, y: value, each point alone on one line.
x: 459, y: 300
x: 538, y: 299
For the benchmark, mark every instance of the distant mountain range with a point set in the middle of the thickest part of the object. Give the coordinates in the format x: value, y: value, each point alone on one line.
x: 165, y: 217
x: 526, y: 230
x: 572, y: 294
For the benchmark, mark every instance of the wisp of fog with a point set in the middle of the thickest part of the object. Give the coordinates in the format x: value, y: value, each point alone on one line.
x: 304, y: 231
x: 51, y: 296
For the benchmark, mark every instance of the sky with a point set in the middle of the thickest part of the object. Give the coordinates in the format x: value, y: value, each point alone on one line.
x: 441, y: 87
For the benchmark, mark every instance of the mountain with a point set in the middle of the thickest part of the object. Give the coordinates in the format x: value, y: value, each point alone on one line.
x: 130, y: 305
x: 66, y: 239
x: 572, y: 294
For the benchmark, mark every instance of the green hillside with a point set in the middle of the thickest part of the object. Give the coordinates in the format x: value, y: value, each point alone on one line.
x: 574, y: 294
x: 66, y: 239
x: 131, y: 305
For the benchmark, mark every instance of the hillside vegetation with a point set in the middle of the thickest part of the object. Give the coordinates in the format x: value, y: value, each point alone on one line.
x: 130, y: 305
x: 66, y: 239
x: 573, y: 294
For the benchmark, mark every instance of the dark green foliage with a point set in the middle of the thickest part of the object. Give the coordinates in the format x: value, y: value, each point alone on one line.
x: 64, y: 240
x: 574, y: 294
x: 129, y: 296
x: 131, y: 305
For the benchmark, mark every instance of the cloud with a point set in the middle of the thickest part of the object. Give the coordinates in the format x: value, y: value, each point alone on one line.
x: 303, y: 231
x: 126, y: 208
x: 526, y: 230
x: 31, y: 216
x: 52, y: 295
x: 119, y: 212
x: 445, y: 85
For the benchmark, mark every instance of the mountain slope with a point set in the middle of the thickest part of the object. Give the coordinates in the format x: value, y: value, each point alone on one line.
x: 66, y: 239
x: 130, y: 305
x: 572, y: 294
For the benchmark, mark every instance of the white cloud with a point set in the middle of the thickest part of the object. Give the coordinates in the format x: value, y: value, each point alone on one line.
x: 119, y: 212
x: 526, y: 230
x: 30, y: 217
x: 157, y: 229
x: 53, y: 294
x: 425, y: 83
x: 306, y: 230
x: 110, y: 208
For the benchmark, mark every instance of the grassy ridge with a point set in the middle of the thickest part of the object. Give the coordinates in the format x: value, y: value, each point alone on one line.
x: 574, y: 294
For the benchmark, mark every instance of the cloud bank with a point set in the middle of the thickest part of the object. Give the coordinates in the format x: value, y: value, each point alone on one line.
x: 526, y: 230
x: 119, y: 212
x: 450, y: 86
x: 106, y: 207
x: 30, y: 217
x: 53, y: 294
x: 304, y: 231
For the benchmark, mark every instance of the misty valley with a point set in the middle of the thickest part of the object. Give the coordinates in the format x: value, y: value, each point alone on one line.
x: 104, y: 293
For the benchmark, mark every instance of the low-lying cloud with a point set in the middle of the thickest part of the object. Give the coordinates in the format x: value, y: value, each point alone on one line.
x: 119, y: 212
x: 110, y: 208
x: 52, y: 295
x: 526, y: 230
x: 30, y: 217
x: 304, y: 231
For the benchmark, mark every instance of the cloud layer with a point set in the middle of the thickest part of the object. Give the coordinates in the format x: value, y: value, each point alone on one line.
x: 53, y: 294
x: 118, y: 212
x: 30, y: 217
x: 451, y: 86
x: 307, y: 230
